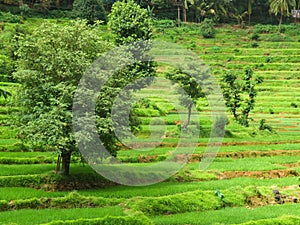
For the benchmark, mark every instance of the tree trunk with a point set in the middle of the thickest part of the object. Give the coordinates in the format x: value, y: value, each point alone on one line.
x: 57, y: 3
x: 189, y: 117
x: 280, y: 21
x: 57, y: 169
x: 178, y: 15
x: 184, y: 14
x: 66, y: 160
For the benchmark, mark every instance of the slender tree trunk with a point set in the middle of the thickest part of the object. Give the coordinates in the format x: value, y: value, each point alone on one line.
x: 184, y: 14
x: 178, y: 14
x: 280, y: 21
x: 57, y: 3
x: 57, y: 169
x: 187, y: 123
x: 66, y: 160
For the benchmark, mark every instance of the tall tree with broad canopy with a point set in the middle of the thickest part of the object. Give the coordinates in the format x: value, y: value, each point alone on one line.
x: 130, y: 25
x: 51, y: 61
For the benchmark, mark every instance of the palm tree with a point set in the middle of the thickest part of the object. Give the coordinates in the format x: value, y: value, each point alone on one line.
x: 281, y: 6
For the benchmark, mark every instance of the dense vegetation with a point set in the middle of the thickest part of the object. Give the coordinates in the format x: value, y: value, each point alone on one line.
x: 254, y: 178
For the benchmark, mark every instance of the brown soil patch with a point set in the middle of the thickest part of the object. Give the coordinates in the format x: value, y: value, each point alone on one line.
x: 175, y: 144
x: 237, y: 155
x: 258, y: 174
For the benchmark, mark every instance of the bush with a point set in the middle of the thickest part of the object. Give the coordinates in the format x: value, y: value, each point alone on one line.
x: 9, y: 18
x: 261, y: 29
x: 255, y: 37
x: 207, y: 29
x: 91, y: 10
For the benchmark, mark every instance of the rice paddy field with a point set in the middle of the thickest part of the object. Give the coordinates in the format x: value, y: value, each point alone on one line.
x: 254, y: 178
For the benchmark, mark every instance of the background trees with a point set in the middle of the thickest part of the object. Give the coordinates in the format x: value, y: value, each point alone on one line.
x: 51, y: 62
x: 282, y: 7
x: 91, y: 10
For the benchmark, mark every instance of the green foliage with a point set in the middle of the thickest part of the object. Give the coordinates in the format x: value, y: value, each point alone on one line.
x: 72, y: 200
x: 284, y: 220
x: 188, y: 88
x: 4, y: 93
x: 91, y: 10
x: 108, y: 220
x: 255, y: 36
x: 264, y: 28
x: 51, y: 61
x: 36, y: 160
x: 239, y: 93
x: 264, y: 126
x: 178, y: 203
x: 10, y: 18
x: 207, y: 29
x: 21, y: 181
x: 129, y: 22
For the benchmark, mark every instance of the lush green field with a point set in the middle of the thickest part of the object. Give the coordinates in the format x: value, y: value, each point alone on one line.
x: 249, y: 165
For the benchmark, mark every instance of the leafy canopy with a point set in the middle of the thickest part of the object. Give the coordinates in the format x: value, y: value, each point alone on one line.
x: 51, y: 61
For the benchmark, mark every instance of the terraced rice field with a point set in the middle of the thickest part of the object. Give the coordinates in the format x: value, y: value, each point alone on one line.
x: 249, y: 166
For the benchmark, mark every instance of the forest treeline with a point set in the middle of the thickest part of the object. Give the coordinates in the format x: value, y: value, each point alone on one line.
x: 221, y: 11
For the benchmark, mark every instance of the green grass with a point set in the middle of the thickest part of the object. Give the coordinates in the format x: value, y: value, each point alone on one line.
x: 14, y: 193
x: 169, y: 188
x: 30, y: 217
x: 12, y: 170
x: 27, y: 154
x: 229, y: 215
x: 249, y: 164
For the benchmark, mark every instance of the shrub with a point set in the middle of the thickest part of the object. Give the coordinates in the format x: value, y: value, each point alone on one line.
x: 91, y: 10
x: 294, y: 105
x: 255, y: 37
x: 254, y: 45
x: 3, y: 205
x: 9, y: 18
x: 259, y: 28
x: 207, y: 29
x: 32, y: 203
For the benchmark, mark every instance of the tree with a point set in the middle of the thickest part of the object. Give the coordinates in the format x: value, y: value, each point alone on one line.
x: 130, y: 24
x: 189, y: 90
x: 51, y: 61
x: 282, y: 7
x: 91, y: 10
x: 240, y: 93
